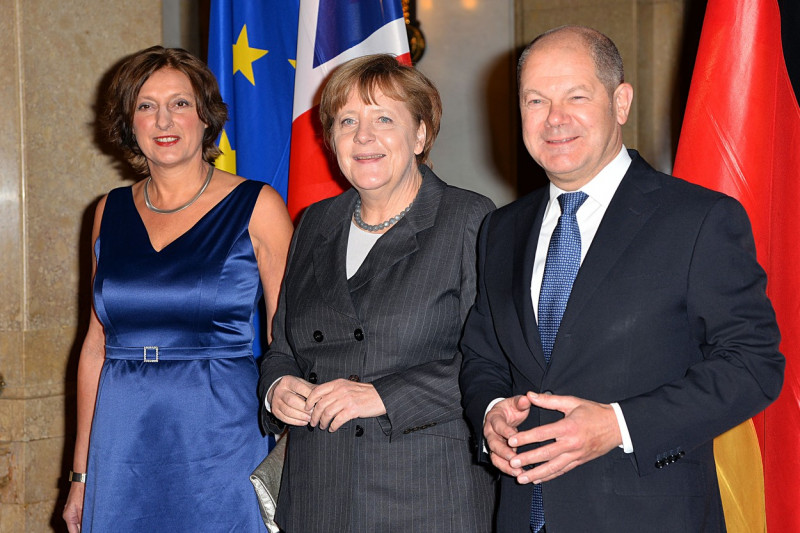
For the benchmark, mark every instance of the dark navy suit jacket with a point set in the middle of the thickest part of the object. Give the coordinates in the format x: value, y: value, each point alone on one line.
x: 668, y: 316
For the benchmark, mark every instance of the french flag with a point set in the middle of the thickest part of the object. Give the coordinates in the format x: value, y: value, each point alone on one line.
x: 329, y: 33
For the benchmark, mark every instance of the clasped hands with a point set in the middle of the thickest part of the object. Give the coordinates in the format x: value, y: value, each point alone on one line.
x: 328, y: 405
x: 587, y: 431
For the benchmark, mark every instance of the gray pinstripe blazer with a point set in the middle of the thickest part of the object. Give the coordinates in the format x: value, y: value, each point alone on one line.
x: 396, y: 324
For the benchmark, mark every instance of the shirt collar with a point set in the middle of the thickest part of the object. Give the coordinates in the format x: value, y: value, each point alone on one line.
x: 602, y: 187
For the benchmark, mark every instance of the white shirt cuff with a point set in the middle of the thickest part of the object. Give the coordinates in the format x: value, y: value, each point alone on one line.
x: 489, y: 407
x: 627, y: 444
x: 266, y: 396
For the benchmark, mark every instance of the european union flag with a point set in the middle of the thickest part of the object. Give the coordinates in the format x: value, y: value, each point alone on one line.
x: 251, y: 50
x: 252, y: 47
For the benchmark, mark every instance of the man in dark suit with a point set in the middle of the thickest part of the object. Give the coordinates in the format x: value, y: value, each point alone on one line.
x: 600, y: 366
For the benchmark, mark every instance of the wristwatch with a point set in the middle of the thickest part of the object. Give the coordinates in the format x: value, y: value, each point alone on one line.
x: 77, y: 477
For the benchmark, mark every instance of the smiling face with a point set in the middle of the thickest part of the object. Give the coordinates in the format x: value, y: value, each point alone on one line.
x: 376, y: 143
x: 168, y: 130
x: 571, y: 126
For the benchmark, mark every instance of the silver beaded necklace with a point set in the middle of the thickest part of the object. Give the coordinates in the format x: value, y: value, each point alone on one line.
x: 377, y: 227
x: 155, y: 209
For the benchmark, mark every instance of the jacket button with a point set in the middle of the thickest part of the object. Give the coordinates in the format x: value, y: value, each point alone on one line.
x: 358, y: 334
x: 359, y: 431
x: 309, y: 427
x: 312, y: 377
x: 318, y: 336
x: 355, y: 378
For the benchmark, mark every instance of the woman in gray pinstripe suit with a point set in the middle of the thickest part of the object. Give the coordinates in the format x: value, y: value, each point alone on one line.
x: 364, y: 362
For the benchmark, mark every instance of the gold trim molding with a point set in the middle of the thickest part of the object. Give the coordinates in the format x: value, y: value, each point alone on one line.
x: 416, y: 40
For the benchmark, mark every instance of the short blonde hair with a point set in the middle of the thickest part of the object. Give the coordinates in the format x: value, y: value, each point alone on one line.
x: 397, y: 81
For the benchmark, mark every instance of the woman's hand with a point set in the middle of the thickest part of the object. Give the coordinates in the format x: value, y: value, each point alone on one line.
x: 287, y: 400
x: 73, y: 511
x: 336, y: 402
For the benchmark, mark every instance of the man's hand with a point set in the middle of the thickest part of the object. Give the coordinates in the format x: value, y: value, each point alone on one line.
x: 336, y: 402
x: 287, y: 400
x: 587, y: 431
x: 500, y: 424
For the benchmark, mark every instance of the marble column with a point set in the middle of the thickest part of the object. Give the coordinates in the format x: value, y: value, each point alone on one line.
x: 53, y: 58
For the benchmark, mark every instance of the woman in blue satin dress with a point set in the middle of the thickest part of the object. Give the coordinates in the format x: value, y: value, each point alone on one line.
x: 167, y: 407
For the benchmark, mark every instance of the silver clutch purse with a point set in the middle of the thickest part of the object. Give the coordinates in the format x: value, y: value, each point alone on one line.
x: 266, y: 480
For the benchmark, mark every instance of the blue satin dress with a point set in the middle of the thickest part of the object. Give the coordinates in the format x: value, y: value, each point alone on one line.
x: 175, y: 432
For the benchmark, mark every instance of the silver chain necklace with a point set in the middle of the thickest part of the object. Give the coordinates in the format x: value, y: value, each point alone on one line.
x: 378, y: 227
x: 155, y: 209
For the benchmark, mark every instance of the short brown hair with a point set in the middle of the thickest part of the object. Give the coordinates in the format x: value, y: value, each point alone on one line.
x: 397, y: 81
x: 116, y: 118
x: 605, y: 55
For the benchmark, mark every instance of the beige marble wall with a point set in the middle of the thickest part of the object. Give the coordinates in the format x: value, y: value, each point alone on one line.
x: 651, y: 36
x: 53, y: 56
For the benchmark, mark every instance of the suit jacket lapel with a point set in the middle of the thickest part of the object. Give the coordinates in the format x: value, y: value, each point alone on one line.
x: 401, y: 240
x: 330, y: 252
x: 526, y: 239
x: 629, y: 210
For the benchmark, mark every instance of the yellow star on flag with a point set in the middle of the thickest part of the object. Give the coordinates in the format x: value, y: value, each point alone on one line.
x: 227, y: 161
x: 243, y: 56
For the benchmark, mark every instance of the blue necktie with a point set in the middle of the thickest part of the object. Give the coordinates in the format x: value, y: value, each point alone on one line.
x: 560, y: 269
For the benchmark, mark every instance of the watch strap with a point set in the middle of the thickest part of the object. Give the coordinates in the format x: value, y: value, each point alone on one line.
x: 77, y: 477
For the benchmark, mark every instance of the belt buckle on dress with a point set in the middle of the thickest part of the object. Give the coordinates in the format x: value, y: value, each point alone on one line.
x: 151, y: 359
